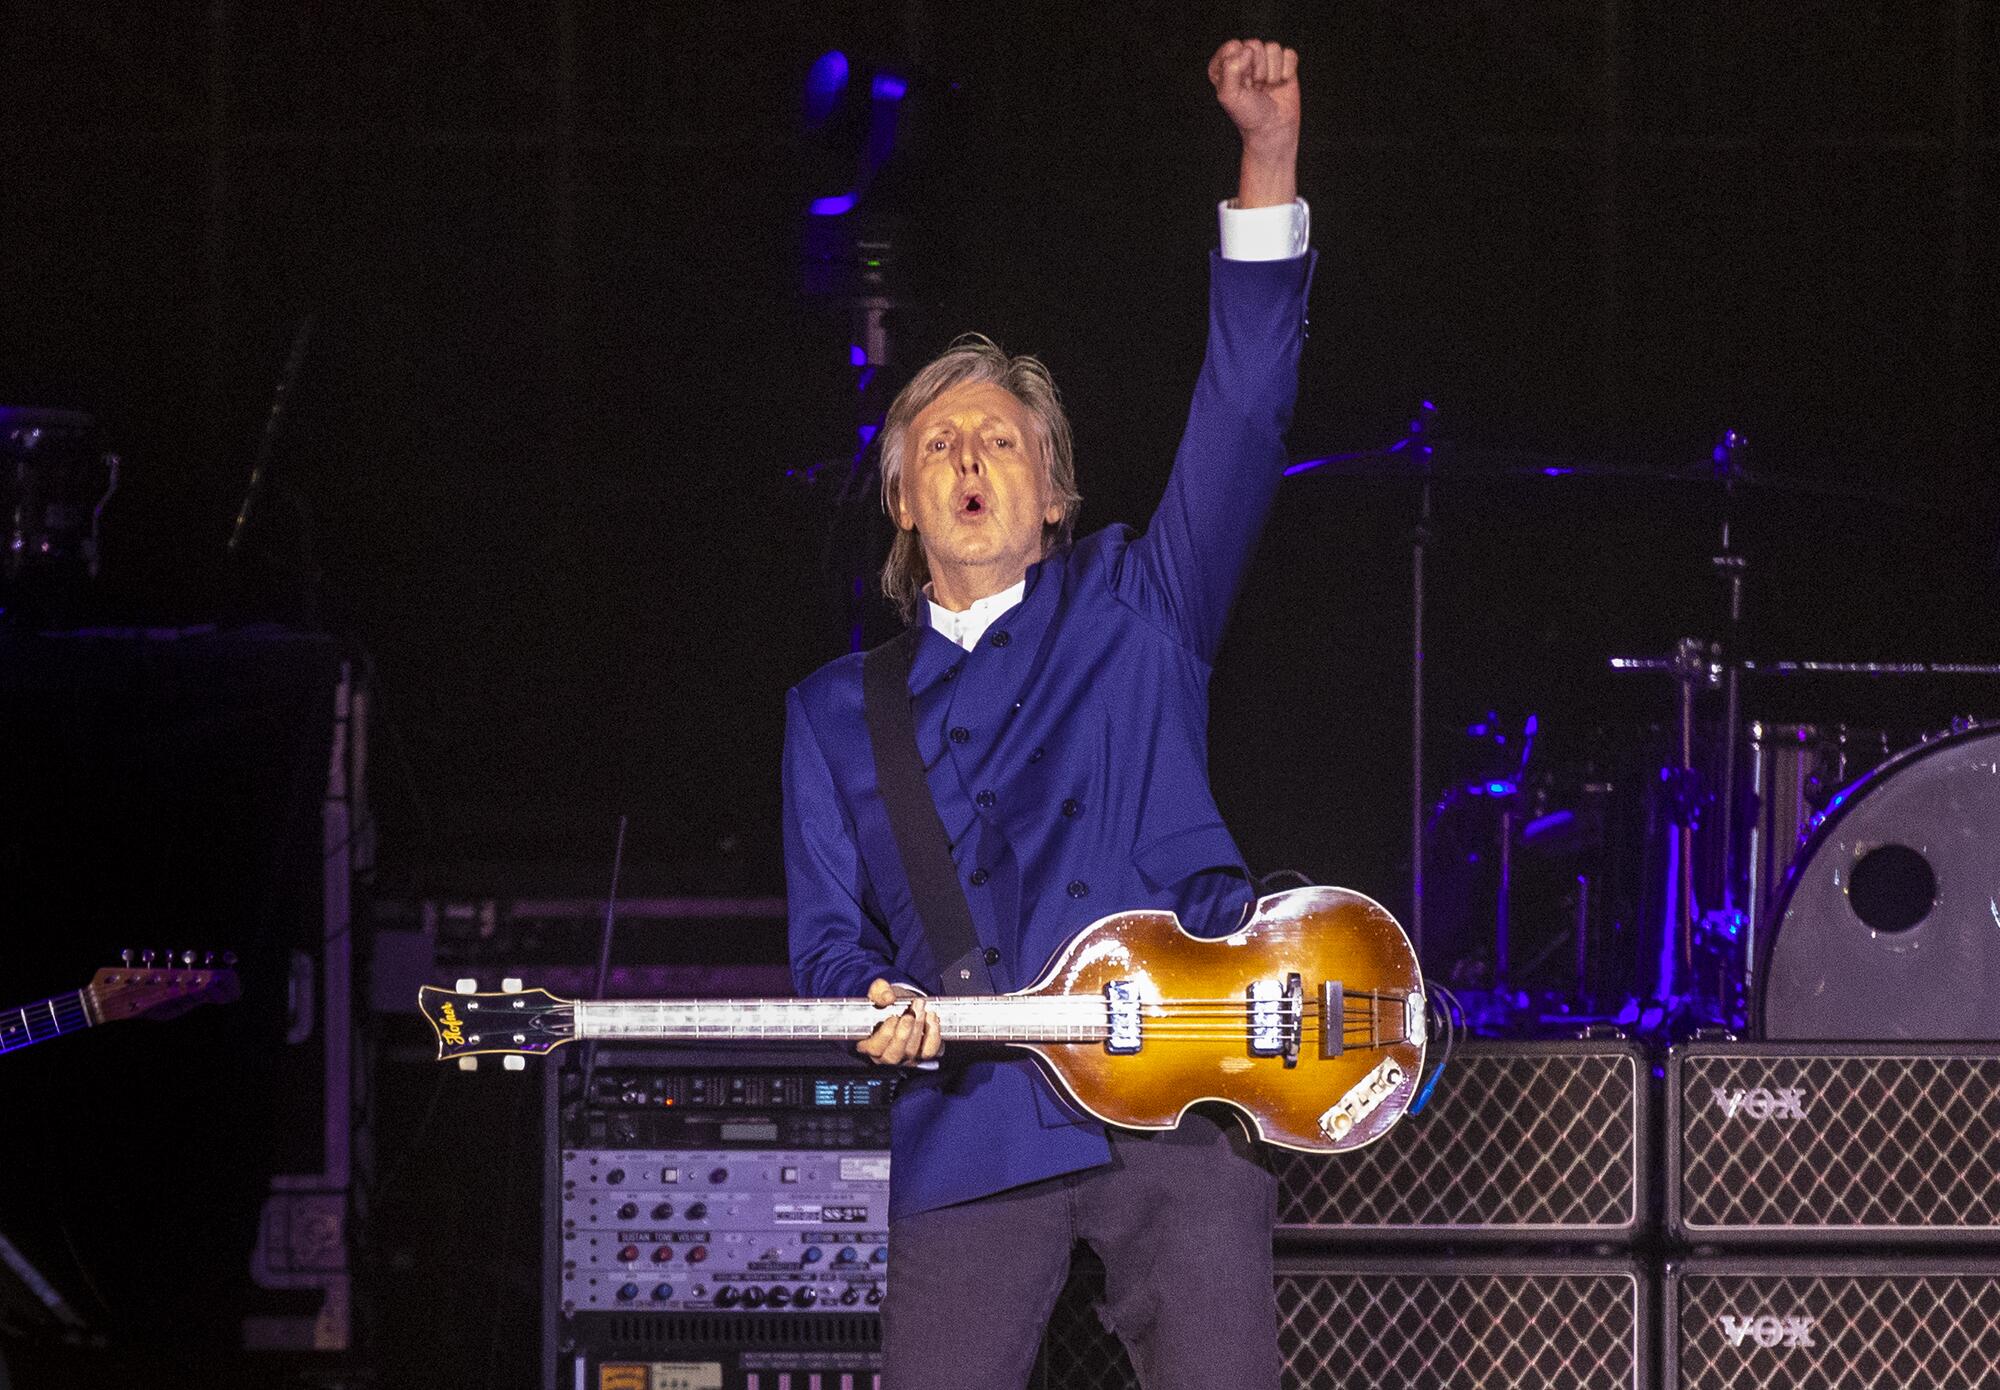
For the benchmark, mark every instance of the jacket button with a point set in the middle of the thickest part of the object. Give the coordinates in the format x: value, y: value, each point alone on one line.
x: 1071, y: 807
x: 992, y: 955
x: 1078, y: 888
x: 960, y: 735
x: 1000, y: 639
x: 1035, y: 756
x: 986, y: 800
x: 978, y: 877
x: 949, y: 672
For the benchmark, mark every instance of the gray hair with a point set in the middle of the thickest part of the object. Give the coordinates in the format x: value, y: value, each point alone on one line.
x: 973, y: 357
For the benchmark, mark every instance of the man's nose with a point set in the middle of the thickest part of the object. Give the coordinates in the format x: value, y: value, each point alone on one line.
x: 968, y: 458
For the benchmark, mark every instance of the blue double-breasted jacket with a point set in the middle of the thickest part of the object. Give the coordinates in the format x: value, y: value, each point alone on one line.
x: 1068, y: 757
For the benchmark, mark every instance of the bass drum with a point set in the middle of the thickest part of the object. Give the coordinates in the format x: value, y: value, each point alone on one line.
x: 1888, y: 923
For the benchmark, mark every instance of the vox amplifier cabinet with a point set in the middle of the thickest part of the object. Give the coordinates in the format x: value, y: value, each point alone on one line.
x: 1854, y: 1143
x: 720, y: 1218
x: 1521, y: 1141
x: 1742, y: 1322
x: 1373, y: 1324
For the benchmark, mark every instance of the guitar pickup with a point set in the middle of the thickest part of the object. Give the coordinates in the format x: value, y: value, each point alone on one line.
x: 1122, y: 1005
x: 1332, y: 1019
x: 1267, y: 1018
x: 1277, y: 1017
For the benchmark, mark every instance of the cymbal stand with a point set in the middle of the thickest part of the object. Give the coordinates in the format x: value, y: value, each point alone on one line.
x: 1733, y: 566
x: 1420, y: 448
x: 1692, y: 668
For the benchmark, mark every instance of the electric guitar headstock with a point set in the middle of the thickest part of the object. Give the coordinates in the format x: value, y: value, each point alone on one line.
x: 142, y: 988
x: 513, y: 1022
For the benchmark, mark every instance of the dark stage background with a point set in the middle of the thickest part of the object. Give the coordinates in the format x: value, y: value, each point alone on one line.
x: 548, y: 456
x: 563, y: 361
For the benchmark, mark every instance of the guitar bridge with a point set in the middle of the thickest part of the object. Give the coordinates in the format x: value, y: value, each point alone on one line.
x: 1332, y: 1020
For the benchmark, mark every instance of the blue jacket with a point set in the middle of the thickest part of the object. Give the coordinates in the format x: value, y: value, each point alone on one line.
x: 1067, y: 754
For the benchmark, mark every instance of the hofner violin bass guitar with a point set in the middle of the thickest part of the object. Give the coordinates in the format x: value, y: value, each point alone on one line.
x: 120, y: 992
x: 1309, y: 1019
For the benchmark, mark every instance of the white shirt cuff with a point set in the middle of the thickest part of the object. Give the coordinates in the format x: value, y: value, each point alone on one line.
x: 1265, y: 234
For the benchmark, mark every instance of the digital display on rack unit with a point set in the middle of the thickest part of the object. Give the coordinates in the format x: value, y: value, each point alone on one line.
x: 749, y: 1131
x: 829, y: 1091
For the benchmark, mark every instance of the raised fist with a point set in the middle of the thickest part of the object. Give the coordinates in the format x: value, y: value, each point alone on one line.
x: 1257, y: 83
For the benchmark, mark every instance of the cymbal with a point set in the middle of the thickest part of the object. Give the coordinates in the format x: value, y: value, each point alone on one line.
x: 1444, y: 463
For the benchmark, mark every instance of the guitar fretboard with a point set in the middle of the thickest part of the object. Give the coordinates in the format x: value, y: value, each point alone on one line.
x: 981, y: 1019
x: 39, y: 1022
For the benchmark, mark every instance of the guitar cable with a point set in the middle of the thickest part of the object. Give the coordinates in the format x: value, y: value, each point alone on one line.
x: 1449, y: 1017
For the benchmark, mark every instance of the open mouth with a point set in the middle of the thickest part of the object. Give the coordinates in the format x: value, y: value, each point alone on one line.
x: 972, y: 504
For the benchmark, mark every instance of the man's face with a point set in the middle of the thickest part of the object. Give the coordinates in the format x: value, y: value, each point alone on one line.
x: 976, y: 491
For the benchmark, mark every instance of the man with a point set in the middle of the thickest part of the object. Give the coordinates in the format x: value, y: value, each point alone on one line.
x: 1059, y: 691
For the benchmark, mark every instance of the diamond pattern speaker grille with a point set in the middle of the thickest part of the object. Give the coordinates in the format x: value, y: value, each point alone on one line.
x: 1519, y: 1140
x: 1940, y: 1331
x: 1773, y: 1144
x: 1421, y: 1325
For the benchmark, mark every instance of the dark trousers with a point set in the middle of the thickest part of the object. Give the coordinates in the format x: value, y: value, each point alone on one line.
x: 1182, y: 1221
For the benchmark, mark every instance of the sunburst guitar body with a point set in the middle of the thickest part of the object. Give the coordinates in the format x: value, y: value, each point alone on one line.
x: 1309, y: 1019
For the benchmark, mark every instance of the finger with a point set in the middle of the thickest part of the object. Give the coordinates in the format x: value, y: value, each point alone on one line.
x: 1217, y: 65
x: 903, y: 1043
x: 1271, y: 71
x: 872, y: 1045
x: 1291, y: 69
x: 933, y: 1038
x: 881, y: 994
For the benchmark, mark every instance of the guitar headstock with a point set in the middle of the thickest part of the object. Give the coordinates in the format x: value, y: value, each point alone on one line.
x: 141, y: 988
x: 512, y: 1021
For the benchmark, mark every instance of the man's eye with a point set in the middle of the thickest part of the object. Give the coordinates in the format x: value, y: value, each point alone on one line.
x: 936, y: 444
x: 1001, y: 441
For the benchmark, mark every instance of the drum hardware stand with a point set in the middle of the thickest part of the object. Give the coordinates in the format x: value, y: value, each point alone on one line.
x: 1415, y: 449
x: 1733, y: 566
x: 1693, y: 665
x: 1420, y: 539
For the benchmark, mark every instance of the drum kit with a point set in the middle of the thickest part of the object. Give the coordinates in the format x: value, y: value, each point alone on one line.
x: 1722, y: 867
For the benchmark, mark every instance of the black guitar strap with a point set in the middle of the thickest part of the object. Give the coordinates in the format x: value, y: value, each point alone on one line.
x: 921, y: 841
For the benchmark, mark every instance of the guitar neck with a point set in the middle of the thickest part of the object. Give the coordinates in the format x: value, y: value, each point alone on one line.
x: 49, y: 1018
x: 999, y: 1018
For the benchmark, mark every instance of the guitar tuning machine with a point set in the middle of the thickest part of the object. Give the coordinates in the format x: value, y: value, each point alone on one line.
x: 126, y: 956
x: 146, y: 958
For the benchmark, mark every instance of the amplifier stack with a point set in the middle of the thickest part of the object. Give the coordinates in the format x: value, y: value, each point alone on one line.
x: 1540, y: 1148
x: 1849, y: 1185
x: 1792, y: 1214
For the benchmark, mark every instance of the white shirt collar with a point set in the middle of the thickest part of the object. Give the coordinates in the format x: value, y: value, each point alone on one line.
x: 968, y: 627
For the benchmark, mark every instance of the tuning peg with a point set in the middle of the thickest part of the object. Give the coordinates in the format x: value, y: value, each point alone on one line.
x: 513, y: 1062
x: 126, y: 956
x: 187, y: 958
x: 208, y: 960
x: 465, y: 984
x: 229, y: 958
x: 146, y: 958
x: 511, y: 985
x: 468, y: 1064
